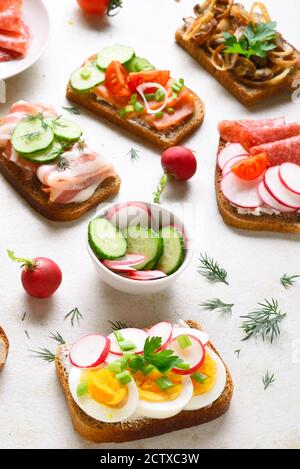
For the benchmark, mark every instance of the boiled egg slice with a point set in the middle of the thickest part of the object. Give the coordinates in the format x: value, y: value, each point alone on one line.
x: 100, y: 411
x: 215, y: 383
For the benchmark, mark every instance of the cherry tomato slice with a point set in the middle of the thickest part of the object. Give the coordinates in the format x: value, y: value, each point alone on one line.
x: 156, y: 76
x: 251, y: 168
x: 95, y: 7
x: 116, y: 79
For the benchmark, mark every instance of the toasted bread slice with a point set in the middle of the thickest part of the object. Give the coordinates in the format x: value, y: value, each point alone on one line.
x: 137, y: 126
x: 4, y: 346
x: 99, y: 432
x: 245, y: 94
x: 31, y: 191
x: 283, y: 223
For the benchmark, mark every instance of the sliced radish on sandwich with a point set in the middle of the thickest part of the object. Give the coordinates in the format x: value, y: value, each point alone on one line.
x: 269, y: 200
x: 125, y: 262
x: 242, y: 193
x: 164, y: 330
x: 129, y: 213
x: 231, y: 151
x: 89, y: 351
x: 127, y: 340
x: 280, y: 193
x: 201, y: 335
x: 145, y: 275
x: 192, y: 352
x: 230, y: 163
x: 289, y: 175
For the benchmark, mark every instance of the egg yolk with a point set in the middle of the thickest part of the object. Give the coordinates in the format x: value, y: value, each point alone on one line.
x: 104, y: 388
x: 151, y: 392
x: 209, y: 369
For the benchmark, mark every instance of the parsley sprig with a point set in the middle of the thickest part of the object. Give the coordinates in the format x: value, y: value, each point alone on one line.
x: 257, y: 40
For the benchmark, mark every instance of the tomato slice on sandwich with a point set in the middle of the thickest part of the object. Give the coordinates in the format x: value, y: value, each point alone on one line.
x: 152, y: 76
x: 251, y: 168
x: 116, y: 79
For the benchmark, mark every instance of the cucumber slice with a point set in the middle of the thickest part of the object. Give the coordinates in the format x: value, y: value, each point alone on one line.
x: 122, y: 54
x: 46, y: 156
x: 86, y: 78
x: 173, y: 254
x: 32, y: 135
x: 106, y: 240
x: 144, y: 241
x: 65, y: 129
x: 138, y: 64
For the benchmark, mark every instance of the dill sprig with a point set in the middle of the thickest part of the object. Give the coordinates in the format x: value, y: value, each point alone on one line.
x: 237, y: 352
x: 211, y: 269
x: 133, y: 154
x: 288, y: 280
x: 118, y: 325
x: 72, y: 110
x: 24, y: 316
x: 268, y: 379
x: 30, y: 136
x: 264, y: 321
x: 217, y: 304
x: 62, y: 163
x: 74, y: 315
x: 57, y: 337
x: 27, y: 334
x: 44, y: 354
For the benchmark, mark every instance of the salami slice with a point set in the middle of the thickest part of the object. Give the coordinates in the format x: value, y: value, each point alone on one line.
x: 10, y: 15
x: 281, y: 151
x: 231, y: 131
x: 15, y: 42
x: 260, y: 135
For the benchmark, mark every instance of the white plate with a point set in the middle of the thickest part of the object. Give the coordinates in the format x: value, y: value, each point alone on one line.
x: 36, y: 16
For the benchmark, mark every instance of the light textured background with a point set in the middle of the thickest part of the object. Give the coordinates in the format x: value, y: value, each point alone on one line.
x: 33, y: 412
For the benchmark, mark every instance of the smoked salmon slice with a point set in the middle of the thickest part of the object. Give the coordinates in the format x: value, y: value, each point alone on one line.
x: 10, y: 15
x: 16, y: 42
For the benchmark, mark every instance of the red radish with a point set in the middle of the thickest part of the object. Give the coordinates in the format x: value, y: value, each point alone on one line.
x: 129, y: 213
x: 202, y: 336
x: 178, y: 163
x: 145, y: 275
x: 89, y: 351
x: 242, y: 193
x: 230, y: 151
x: 125, y: 263
x: 289, y: 175
x: 269, y: 200
x: 230, y: 163
x: 40, y: 276
x: 164, y: 330
x: 137, y: 336
x: 193, y: 355
x: 278, y: 191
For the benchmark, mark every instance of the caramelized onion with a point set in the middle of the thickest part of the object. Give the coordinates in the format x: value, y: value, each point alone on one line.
x: 259, y: 17
x: 197, y: 25
x: 222, y: 63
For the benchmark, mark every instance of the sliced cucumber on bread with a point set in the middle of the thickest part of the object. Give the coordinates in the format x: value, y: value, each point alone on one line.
x: 106, y: 240
x: 173, y: 252
x: 144, y: 241
x: 122, y: 54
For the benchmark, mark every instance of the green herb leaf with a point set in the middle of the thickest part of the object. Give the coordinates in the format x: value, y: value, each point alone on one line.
x: 72, y: 110
x: 288, y: 280
x: 264, y: 321
x: 237, y: 352
x: 57, y: 337
x: 211, y: 269
x: 133, y: 154
x: 44, y: 354
x: 118, y: 325
x: 74, y: 315
x: 217, y: 304
x: 268, y: 379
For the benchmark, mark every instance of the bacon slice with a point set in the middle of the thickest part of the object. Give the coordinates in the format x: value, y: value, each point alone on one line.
x: 10, y: 15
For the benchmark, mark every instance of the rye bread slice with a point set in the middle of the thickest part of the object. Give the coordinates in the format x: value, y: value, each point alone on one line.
x: 139, y: 127
x: 245, y: 94
x: 31, y: 191
x: 4, y: 346
x: 283, y: 223
x: 99, y: 432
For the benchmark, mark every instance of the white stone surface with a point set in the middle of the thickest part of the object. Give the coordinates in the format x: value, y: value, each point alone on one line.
x: 33, y: 411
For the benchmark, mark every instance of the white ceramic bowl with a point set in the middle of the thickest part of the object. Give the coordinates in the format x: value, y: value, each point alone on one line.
x: 138, y: 287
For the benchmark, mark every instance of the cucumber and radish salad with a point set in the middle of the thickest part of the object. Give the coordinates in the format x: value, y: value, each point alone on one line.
x: 126, y: 244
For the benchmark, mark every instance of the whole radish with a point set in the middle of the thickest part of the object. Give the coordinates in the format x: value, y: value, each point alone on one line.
x: 40, y: 276
x: 178, y: 163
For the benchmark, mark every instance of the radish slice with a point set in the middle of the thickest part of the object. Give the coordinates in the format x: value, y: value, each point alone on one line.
x: 89, y: 351
x: 193, y: 355
x: 145, y: 275
x: 278, y: 191
x: 125, y: 262
x: 145, y: 86
x: 129, y: 213
x: 202, y: 336
x: 230, y: 163
x: 241, y: 193
x: 269, y: 200
x: 137, y: 336
x: 231, y: 151
x: 164, y: 330
x: 289, y: 175
x: 112, y: 357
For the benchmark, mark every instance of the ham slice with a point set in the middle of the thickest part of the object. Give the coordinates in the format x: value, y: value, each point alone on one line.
x: 10, y: 15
